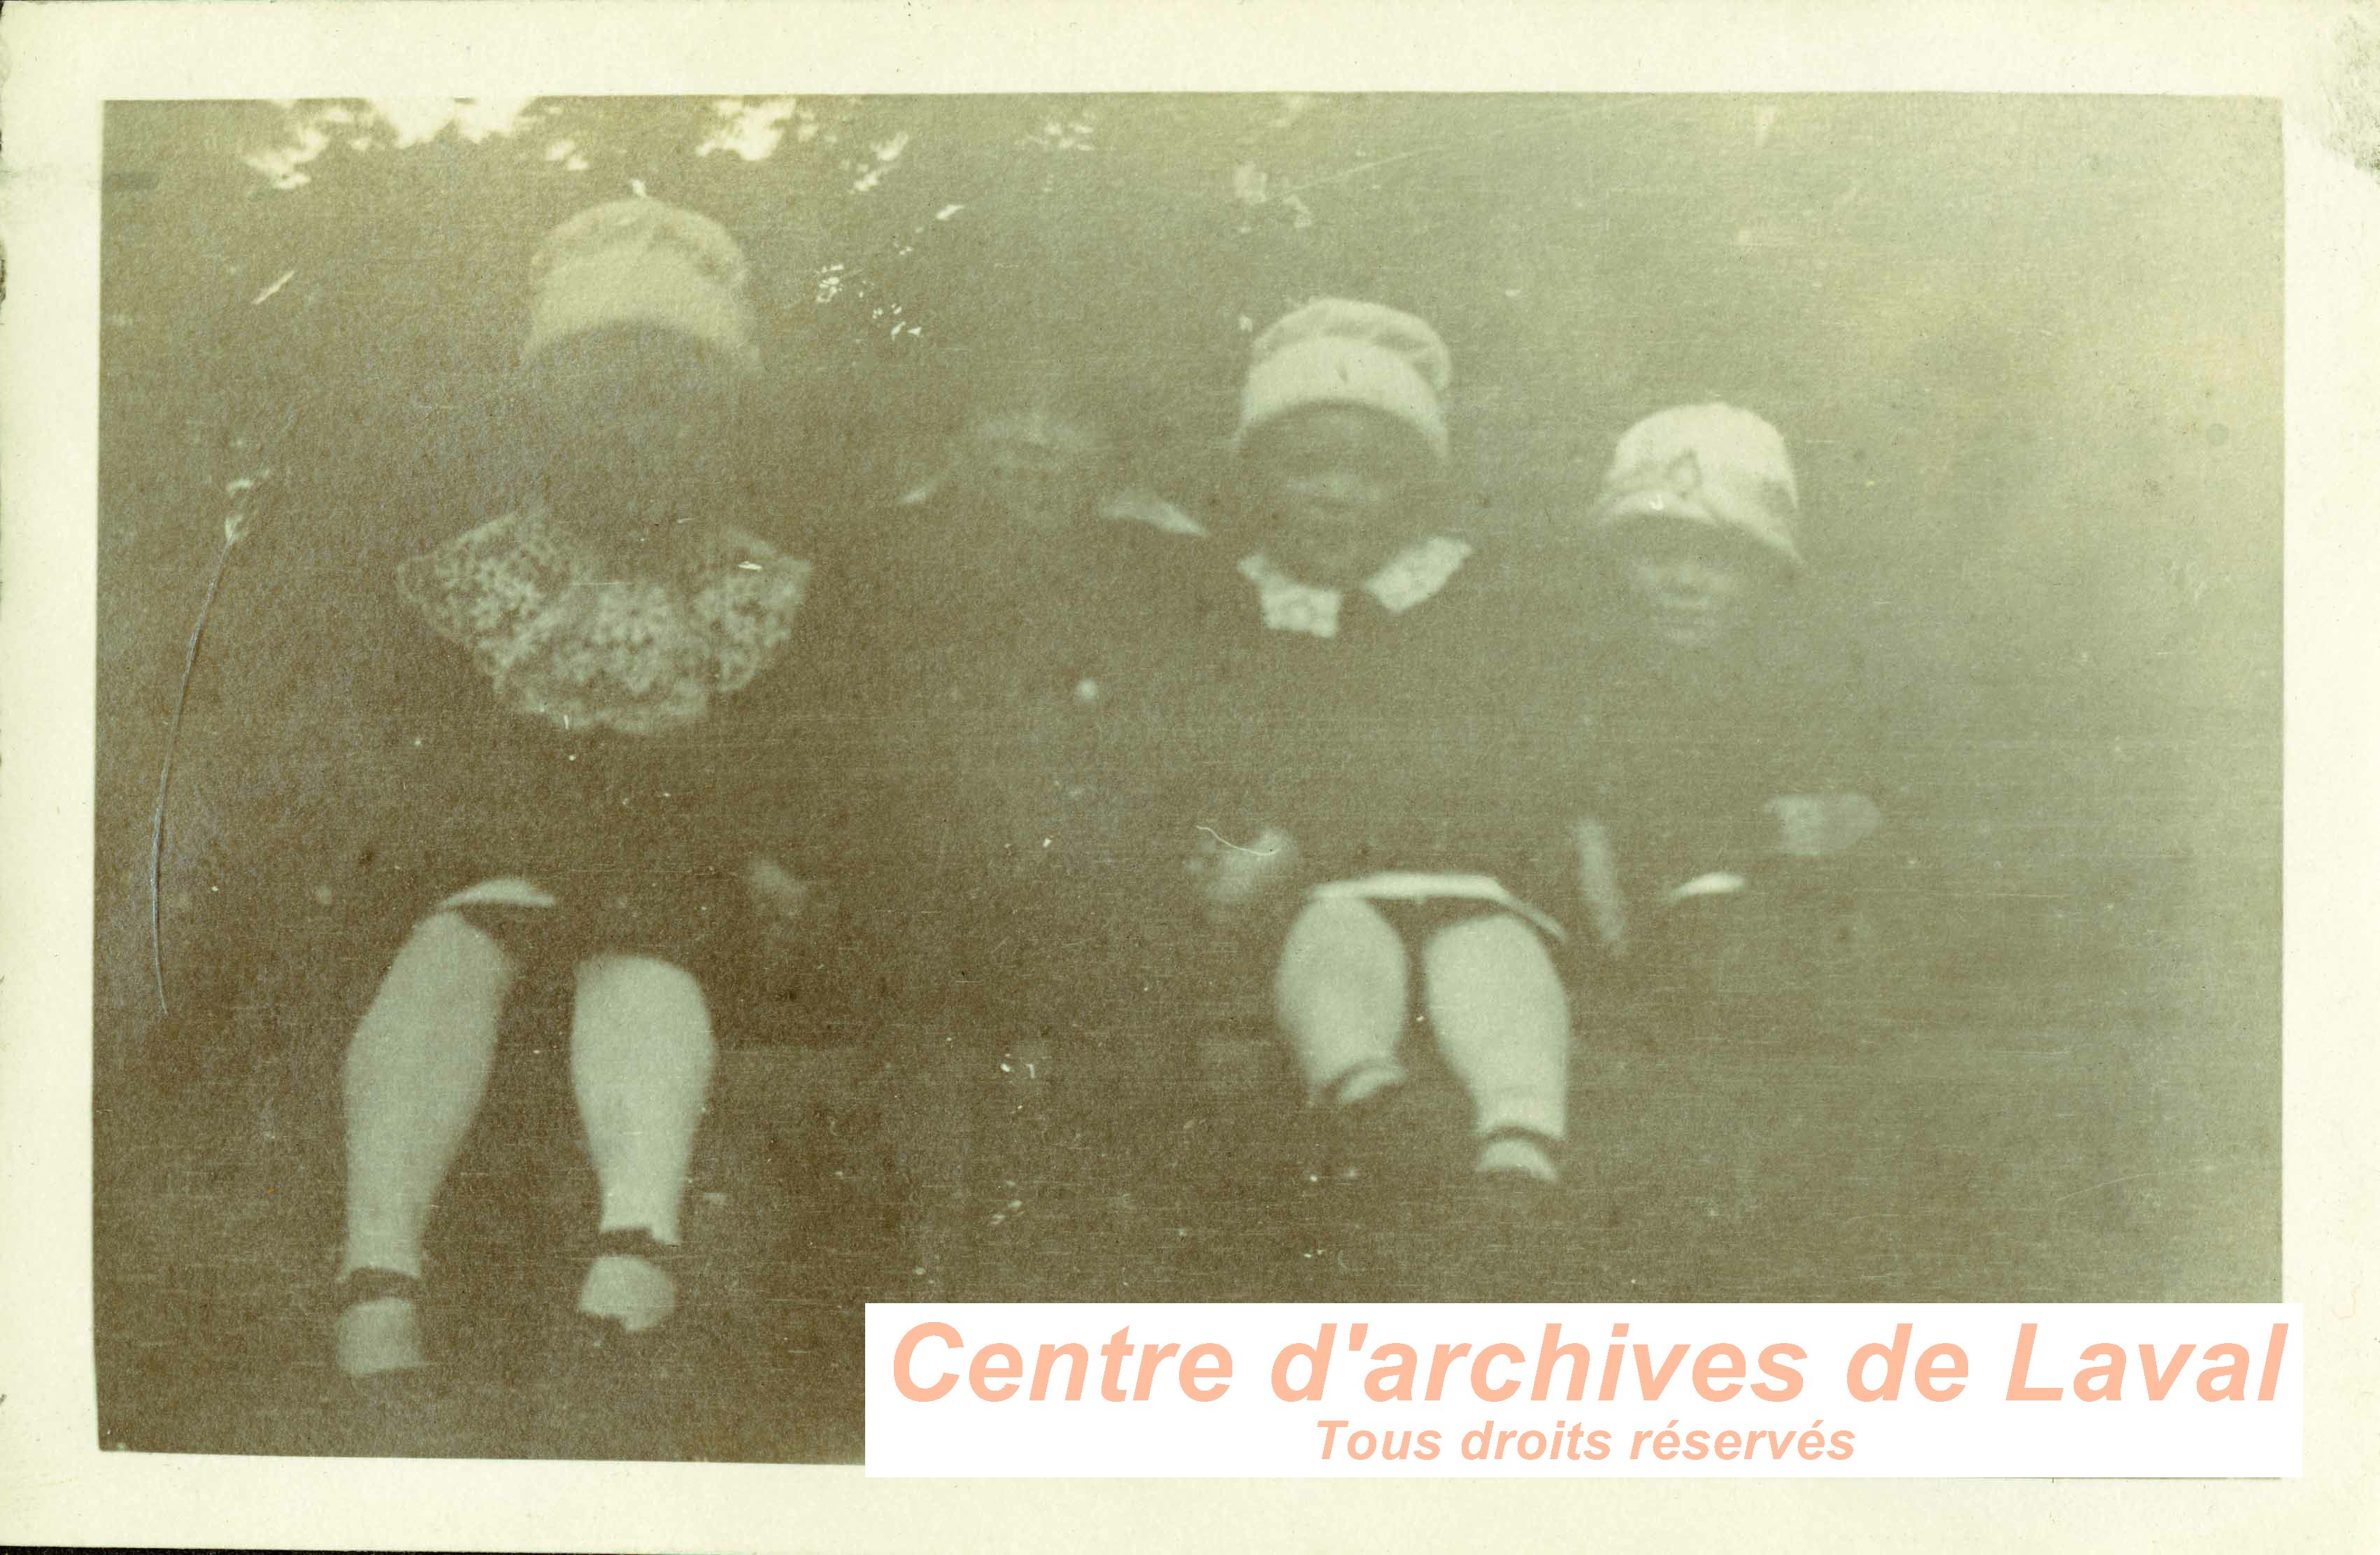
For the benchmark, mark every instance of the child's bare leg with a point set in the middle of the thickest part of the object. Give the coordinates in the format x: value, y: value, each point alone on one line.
x: 1340, y: 998
x: 416, y: 1073
x: 640, y: 1061
x: 1504, y: 1027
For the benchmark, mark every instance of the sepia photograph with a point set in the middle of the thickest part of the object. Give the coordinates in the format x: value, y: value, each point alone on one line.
x: 714, y: 709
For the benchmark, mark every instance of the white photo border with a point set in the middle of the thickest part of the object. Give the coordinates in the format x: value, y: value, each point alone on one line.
x: 64, y: 62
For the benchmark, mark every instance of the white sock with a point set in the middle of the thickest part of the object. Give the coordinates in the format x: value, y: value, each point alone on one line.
x: 414, y: 1077
x: 640, y: 1063
x: 1503, y: 1028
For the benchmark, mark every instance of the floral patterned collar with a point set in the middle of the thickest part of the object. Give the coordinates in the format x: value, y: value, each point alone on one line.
x: 1411, y: 577
x: 563, y: 638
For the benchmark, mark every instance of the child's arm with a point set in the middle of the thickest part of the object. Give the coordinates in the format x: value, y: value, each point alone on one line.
x: 785, y: 904
x: 1599, y: 885
x: 1239, y: 881
x: 1829, y: 757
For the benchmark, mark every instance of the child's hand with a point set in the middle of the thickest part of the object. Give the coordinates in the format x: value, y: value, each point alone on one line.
x: 1234, y: 879
x: 784, y: 902
x: 1598, y: 886
x: 1821, y: 825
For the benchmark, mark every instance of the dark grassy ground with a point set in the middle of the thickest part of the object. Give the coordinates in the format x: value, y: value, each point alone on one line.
x: 2049, y: 1137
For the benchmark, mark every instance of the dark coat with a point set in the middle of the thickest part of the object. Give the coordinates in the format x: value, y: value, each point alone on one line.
x: 1014, y: 848
x: 1396, y: 744
x: 642, y: 838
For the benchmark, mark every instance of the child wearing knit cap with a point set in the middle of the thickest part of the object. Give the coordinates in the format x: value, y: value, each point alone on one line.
x: 580, y: 726
x: 1699, y: 786
x: 1356, y: 826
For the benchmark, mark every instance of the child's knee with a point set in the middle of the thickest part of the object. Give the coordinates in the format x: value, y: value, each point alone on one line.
x: 662, y: 1003
x: 1495, y: 951
x: 448, y: 960
x: 639, y: 982
x: 1338, y: 950
x: 436, y: 1012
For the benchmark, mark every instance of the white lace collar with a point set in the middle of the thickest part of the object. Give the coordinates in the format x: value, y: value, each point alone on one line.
x: 565, y: 638
x: 1412, y: 576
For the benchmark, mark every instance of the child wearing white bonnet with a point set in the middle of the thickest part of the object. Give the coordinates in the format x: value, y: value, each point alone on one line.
x: 1704, y: 769
x: 1358, y: 821
x: 1340, y: 352
x: 1712, y: 464
x: 642, y: 260
x: 554, y: 712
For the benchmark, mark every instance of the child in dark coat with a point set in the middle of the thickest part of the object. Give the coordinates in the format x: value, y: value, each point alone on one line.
x: 1356, y: 782
x: 1703, y: 784
x: 1024, y: 628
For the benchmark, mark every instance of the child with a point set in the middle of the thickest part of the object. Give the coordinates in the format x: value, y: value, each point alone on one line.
x: 1699, y: 791
x: 1037, y: 451
x: 1024, y: 624
x: 581, y: 719
x: 1359, y: 800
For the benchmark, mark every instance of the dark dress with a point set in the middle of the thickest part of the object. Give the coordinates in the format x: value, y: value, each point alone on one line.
x: 1020, y: 722
x: 1684, y: 752
x: 1679, y: 756
x: 625, y: 753
x: 1393, y: 744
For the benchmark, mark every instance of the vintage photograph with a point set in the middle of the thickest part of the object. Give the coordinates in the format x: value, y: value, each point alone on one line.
x: 711, y: 710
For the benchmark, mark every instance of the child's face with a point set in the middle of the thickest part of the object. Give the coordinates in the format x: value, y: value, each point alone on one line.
x: 1336, y: 492
x: 635, y: 424
x: 1036, y: 471
x: 1039, y: 487
x: 1689, y: 586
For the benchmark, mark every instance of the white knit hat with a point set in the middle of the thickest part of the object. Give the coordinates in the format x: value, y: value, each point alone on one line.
x: 641, y: 261
x: 1706, y: 464
x: 1338, y: 352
